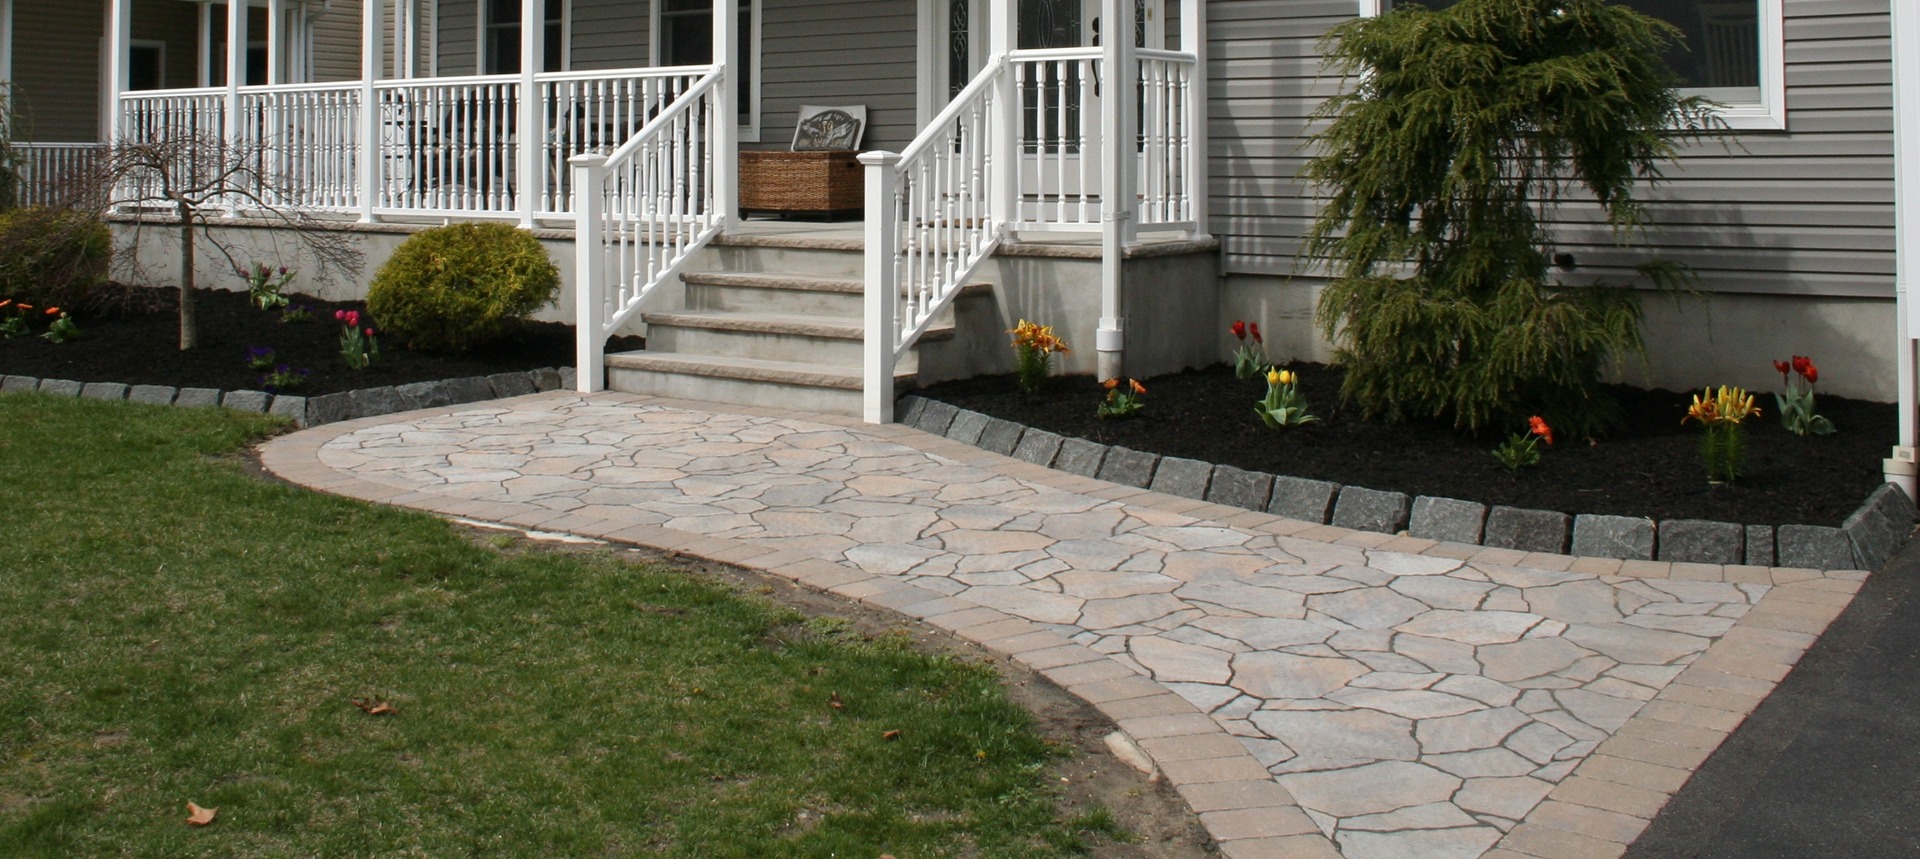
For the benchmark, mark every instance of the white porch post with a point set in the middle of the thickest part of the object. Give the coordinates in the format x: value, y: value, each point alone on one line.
x: 1899, y: 468
x: 1003, y: 149
x: 236, y: 66
x: 589, y: 312
x: 369, y: 160
x: 203, y: 53
x: 276, y: 47
x: 1118, y: 171
x: 533, y: 58
x: 119, y: 41
x: 1193, y: 40
x: 726, y: 106
x: 882, y: 292
x: 6, y: 40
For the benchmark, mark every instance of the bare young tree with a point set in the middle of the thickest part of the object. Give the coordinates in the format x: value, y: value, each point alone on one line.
x: 196, y: 181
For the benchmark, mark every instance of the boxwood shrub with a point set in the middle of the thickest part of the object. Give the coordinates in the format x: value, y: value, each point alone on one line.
x: 451, y: 288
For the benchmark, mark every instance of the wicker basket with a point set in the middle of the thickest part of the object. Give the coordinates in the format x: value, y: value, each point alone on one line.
x: 822, y: 183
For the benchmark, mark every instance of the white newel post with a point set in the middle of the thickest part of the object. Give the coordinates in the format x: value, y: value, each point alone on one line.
x: 1193, y: 40
x: 1003, y: 145
x: 882, y: 291
x: 589, y: 270
x: 726, y: 103
x: 370, y: 159
x: 1119, y: 169
x: 1900, y: 466
x: 236, y: 67
x: 532, y: 126
x: 119, y: 41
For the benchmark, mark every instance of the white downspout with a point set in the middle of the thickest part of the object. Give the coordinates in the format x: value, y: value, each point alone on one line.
x: 1899, y: 468
x: 1117, y: 160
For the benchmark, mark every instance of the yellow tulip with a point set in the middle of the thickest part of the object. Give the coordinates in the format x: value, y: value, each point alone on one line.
x: 1287, y: 377
x: 1274, y: 377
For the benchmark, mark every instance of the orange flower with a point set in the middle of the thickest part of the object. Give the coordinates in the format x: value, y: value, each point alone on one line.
x: 1137, y: 387
x: 1110, y: 384
x: 52, y: 310
x: 5, y: 303
x: 1538, y: 426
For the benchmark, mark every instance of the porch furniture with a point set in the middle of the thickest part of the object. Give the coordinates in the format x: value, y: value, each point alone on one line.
x: 802, y: 183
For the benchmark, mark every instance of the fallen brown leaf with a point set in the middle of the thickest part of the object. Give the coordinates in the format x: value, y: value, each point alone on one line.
x: 373, y: 709
x: 833, y: 700
x: 197, y: 816
x: 891, y: 735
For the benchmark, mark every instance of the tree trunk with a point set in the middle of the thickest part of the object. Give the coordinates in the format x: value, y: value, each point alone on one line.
x: 189, y: 328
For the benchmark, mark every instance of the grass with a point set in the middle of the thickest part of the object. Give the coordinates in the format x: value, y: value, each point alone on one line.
x: 177, y: 630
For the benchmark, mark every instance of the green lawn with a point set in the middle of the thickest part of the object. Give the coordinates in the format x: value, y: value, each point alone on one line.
x: 176, y: 630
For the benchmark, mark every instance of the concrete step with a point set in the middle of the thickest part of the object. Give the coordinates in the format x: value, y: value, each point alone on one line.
x: 745, y: 381
x: 779, y: 255
x: 821, y: 341
x: 792, y: 294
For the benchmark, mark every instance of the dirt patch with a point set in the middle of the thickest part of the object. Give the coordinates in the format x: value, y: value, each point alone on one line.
x: 1650, y: 468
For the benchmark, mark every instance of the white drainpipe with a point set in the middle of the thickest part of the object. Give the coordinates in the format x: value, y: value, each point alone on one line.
x: 1900, y: 467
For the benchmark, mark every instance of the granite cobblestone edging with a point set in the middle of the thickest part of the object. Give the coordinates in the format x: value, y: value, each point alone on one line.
x: 1865, y: 541
x: 312, y: 411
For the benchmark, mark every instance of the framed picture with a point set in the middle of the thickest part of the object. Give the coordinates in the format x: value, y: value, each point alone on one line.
x: 829, y: 128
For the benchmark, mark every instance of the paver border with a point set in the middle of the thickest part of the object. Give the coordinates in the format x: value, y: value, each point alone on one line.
x: 1606, y: 801
x: 1856, y: 543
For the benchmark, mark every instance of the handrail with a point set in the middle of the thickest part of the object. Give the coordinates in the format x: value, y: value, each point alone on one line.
x: 604, y: 74
x: 1045, y: 54
x: 667, y: 116
x: 640, y: 215
x: 931, y: 223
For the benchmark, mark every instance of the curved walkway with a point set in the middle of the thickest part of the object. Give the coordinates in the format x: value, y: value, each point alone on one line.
x: 1311, y: 691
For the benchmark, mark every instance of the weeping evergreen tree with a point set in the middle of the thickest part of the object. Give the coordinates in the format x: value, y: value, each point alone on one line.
x: 1460, y: 129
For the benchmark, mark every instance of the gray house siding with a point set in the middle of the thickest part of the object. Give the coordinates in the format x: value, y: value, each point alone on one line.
x: 1789, y: 232
x: 56, y: 61
x: 848, y: 52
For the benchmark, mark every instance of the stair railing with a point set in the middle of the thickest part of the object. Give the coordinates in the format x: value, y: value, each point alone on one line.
x: 640, y: 213
x: 931, y: 222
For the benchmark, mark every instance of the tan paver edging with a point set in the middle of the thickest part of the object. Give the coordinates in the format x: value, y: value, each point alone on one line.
x: 1598, y: 796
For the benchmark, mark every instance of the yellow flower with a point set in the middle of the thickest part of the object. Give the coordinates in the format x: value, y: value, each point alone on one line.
x: 1274, y: 376
x: 1728, y: 404
x: 1287, y: 377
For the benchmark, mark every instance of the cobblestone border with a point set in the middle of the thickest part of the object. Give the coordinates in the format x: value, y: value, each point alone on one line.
x: 312, y: 411
x: 1865, y: 541
x: 1600, y: 808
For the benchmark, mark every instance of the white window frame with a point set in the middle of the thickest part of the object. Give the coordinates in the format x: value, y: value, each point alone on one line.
x: 1769, y: 111
x: 480, y: 40
x: 749, y: 131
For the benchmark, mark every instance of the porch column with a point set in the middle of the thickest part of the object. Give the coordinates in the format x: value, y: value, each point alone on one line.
x: 1899, y: 467
x: 119, y: 42
x: 276, y: 49
x: 726, y: 106
x: 6, y: 40
x: 1193, y: 40
x: 1119, y: 166
x: 532, y: 124
x: 236, y: 66
x: 1003, y: 147
x: 369, y: 160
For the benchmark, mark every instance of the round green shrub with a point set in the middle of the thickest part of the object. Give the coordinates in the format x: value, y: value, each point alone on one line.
x: 53, y: 256
x: 450, y: 288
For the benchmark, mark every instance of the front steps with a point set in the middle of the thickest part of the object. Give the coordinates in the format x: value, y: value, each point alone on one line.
x: 773, y: 324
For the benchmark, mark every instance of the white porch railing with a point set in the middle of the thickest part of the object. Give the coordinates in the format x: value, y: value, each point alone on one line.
x: 931, y: 221
x: 53, y: 174
x: 445, y: 147
x: 641, y: 212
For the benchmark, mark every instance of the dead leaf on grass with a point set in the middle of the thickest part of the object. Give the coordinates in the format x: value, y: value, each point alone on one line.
x: 197, y: 816
x: 372, y: 709
x: 833, y: 700
x: 891, y: 735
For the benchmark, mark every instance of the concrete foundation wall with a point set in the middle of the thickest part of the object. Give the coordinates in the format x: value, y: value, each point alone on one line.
x: 1692, y: 341
x: 148, y: 254
x: 1172, y: 303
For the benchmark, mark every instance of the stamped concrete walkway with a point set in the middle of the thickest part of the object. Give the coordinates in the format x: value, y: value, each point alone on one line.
x: 1311, y: 691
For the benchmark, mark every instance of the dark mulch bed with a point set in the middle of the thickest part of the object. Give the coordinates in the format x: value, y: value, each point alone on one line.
x: 1652, y: 468
x: 139, y: 345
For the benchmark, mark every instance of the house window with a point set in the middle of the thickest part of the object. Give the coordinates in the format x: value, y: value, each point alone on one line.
x: 1733, y: 53
x: 685, y: 29
x: 500, y: 34
x: 147, y: 65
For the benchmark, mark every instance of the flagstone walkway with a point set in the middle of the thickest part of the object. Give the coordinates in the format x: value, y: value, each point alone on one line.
x: 1311, y: 691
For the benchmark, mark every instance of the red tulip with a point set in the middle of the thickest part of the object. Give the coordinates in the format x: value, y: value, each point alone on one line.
x: 1239, y: 329
x: 1782, y: 367
x: 1256, y: 333
x: 1811, y: 373
x: 1801, y: 363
